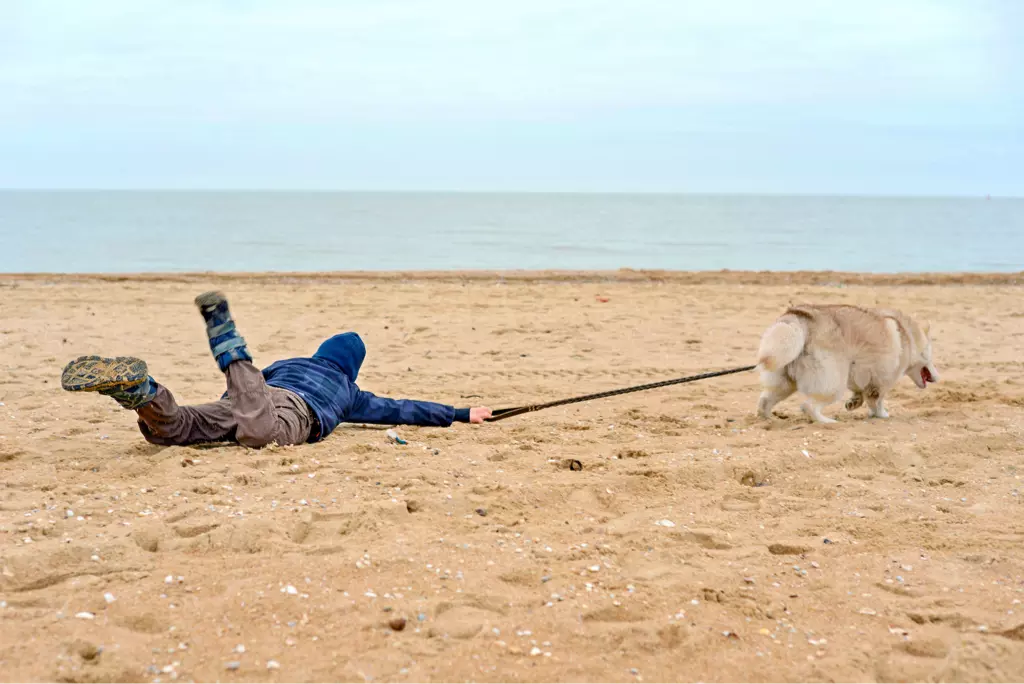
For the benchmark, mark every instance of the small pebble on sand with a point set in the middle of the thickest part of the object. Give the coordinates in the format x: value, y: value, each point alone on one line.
x: 397, y: 623
x: 273, y: 665
x: 232, y: 665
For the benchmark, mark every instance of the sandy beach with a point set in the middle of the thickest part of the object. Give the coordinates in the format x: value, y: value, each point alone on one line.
x: 697, y: 543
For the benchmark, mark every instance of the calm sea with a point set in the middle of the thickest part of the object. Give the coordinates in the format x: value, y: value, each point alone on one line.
x: 89, y: 232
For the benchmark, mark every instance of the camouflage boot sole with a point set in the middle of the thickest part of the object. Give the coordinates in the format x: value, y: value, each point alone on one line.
x: 99, y: 374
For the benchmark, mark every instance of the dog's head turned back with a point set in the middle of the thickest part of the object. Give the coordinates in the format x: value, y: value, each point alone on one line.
x: 922, y: 368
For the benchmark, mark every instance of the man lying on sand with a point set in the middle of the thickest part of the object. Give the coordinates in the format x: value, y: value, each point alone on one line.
x: 291, y: 402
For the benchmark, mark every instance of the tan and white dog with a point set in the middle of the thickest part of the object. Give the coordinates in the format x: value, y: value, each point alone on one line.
x: 821, y: 351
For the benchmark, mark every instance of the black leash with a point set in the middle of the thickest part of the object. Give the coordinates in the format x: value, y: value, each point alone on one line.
x: 501, y: 414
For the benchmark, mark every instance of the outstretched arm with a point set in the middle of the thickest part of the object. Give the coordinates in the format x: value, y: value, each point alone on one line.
x: 369, y: 408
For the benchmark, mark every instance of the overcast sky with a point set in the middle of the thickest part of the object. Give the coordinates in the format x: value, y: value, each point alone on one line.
x: 872, y: 96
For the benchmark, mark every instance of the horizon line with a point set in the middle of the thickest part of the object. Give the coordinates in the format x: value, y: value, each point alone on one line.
x: 846, y: 195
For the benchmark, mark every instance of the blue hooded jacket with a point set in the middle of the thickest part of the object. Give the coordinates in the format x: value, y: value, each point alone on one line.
x: 327, y: 382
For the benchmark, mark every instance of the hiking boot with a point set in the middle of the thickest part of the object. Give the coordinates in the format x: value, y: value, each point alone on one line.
x: 124, y: 378
x: 226, y: 344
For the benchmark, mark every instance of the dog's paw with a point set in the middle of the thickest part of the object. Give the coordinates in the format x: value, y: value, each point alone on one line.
x: 855, y: 402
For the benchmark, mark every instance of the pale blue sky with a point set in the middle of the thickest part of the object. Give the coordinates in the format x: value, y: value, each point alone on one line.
x: 865, y: 97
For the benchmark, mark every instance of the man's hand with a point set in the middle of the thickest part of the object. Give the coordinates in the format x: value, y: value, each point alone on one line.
x: 479, y: 414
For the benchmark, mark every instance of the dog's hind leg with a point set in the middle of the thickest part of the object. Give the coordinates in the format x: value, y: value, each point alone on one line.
x: 822, y: 381
x: 812, y: 407
x: 777, y: 386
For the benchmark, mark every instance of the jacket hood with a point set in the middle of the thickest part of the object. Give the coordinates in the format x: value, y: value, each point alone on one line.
x: 346, y: 351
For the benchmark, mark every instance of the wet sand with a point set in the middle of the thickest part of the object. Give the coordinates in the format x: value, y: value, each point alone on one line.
x: 864, y: 551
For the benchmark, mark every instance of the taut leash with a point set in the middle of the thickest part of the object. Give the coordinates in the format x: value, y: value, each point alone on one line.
x: 502, y: 414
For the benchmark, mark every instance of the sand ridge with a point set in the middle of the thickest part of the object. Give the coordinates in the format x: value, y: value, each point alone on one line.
x: 696, y: 544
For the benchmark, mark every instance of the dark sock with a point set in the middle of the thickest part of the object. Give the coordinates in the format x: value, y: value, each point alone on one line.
x: 133, y: 397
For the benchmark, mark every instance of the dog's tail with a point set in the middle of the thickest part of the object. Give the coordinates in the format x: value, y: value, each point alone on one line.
x: 781, y: 343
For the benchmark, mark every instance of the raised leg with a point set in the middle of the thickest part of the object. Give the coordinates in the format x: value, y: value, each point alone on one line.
x: 855, y: 402
x: 261, y: 414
